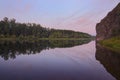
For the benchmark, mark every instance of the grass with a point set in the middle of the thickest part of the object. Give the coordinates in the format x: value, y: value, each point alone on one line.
x: 37, y: 39
x: 113, y: 43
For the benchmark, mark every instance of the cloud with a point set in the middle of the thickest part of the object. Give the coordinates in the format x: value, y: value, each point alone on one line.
x: 27, y: 7
x: 20, y: 6
x: 87, y: 21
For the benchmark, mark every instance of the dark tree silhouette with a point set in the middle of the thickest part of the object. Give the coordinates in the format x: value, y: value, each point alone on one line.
x: 10, y: 28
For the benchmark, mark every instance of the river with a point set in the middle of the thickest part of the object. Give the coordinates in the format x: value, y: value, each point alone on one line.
x: 56, y: 60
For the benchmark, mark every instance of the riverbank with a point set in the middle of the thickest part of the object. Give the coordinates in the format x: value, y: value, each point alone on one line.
x: 113, y: 44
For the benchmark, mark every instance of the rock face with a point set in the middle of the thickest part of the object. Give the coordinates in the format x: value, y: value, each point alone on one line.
x: 110, y: 25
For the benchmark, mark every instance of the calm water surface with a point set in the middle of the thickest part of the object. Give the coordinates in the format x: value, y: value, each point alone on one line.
x: 54, y: 61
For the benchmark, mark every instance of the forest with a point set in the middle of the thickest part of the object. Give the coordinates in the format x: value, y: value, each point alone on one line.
x: 9, y: 28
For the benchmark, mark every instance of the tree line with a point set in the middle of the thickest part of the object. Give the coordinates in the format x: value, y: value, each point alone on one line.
x: 11, y: 28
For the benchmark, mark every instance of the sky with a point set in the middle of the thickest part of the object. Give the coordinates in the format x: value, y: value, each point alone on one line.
x: 77, y: 15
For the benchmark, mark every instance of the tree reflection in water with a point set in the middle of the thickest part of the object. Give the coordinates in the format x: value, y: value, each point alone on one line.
x: 10, y: 49
x: 109, y: 59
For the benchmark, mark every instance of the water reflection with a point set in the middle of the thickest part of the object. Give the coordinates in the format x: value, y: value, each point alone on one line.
x: 75, y: 63
x: 10, y: 49
x: 109, y: 59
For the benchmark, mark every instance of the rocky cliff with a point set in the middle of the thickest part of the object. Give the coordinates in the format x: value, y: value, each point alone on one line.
x: 110, y: 25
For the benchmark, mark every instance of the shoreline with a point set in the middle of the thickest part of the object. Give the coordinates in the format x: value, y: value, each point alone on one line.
x: 37, y: 39
x: 112, y: 44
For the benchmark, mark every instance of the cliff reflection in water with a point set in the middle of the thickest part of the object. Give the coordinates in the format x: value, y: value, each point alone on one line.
x: 109, y: 59
x: 10, y: 49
